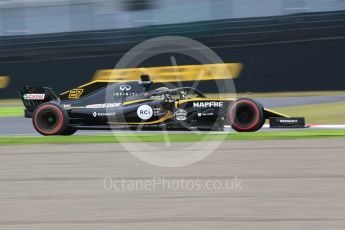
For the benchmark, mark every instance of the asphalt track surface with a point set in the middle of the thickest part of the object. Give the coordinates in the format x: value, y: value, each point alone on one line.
x: 297, y: 184
x: 10, y: 126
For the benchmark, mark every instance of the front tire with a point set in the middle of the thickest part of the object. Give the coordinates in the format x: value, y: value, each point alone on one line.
x: 50, y: 119
x: 246, y: 115
x: 69, y: 131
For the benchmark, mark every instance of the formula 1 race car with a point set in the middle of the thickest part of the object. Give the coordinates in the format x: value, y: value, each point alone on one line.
x: 137, y: 101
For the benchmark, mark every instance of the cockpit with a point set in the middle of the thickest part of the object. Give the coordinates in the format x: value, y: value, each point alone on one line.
x: 177, y: 93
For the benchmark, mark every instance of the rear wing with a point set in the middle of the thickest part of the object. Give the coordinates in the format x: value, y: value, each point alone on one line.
x: 34, y: 96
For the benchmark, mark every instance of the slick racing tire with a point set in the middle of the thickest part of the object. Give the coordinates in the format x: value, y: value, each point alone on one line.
x: 246, y: 115
x: 50, y: 119
x: 69, y: 131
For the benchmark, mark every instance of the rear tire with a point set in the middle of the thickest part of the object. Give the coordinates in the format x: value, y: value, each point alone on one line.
x: 50, y: 119
x: 246, y: 115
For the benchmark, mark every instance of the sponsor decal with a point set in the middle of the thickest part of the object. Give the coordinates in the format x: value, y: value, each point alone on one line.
x: 157, y: 97
x: 205, y: 114
x: 102, y: 106
x: 95, y: 114
x: 34, y: 96
x: 125, y: 94
x: 125, y: 91
x: 288, y: 121
x: 181, y: 115
x: 94, y: 106
x: 75, y: 93
x: 144, y: 82
x: 125, y: 87
x: 111, y: 105
x: 158, y: 112
x: 66, y: 106
x: 208, y: 104
x: 145, y: 112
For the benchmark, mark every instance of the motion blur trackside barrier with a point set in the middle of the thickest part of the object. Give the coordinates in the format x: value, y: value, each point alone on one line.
x: 4, y: 80
x: 173, y: 73
x: 284, y: 53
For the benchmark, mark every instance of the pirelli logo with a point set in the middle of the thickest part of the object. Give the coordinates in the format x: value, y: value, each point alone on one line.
x: 75, y: 93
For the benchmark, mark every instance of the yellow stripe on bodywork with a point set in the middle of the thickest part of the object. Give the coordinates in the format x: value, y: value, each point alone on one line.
x: 135, y: 101
x: 274, y: 113
x: 164, y: 118
x: 90, y: 83
x: 173, y: 73
x: 4, y: 80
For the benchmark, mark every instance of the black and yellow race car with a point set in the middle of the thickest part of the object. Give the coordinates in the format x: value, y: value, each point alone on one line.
x: 134, y: 99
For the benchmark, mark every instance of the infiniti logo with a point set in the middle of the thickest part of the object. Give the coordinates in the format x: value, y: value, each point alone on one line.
x: 125, y: 87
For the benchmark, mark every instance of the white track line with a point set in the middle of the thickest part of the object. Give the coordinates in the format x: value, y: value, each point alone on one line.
x: 328, y: 126
x: 312, y: 126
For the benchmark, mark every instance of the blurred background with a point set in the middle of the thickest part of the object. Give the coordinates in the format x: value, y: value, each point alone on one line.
x: 293, y: 56
x: 284, y: 45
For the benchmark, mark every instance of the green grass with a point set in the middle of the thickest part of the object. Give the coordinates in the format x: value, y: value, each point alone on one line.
x: 302, y: 134
x: 11, y: 111
x: 330, y: 113
x: 11, y: 103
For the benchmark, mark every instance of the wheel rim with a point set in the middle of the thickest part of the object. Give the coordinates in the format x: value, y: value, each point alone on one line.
x: 245, y: 115
x: 48, y: 119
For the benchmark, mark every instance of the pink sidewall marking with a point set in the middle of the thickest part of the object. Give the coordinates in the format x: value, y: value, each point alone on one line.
x: 61, y: 120
x: 256, y: 122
